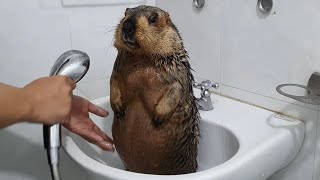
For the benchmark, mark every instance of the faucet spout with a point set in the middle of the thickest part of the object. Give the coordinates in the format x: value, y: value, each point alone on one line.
x: 204, y: 103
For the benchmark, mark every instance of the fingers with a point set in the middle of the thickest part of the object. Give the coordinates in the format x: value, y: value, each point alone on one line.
x: 104, y: 143
x: 105, y: 146
x: 97, y: 110
x: 66, y: 80
x: 71, y: 82
x: 98, y: 131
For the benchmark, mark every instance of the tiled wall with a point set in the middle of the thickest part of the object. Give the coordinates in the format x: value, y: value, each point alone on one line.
x: 249, y: 54
x: 33, y: 34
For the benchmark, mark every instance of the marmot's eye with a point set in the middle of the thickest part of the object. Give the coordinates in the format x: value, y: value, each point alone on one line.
x: 153, y: 18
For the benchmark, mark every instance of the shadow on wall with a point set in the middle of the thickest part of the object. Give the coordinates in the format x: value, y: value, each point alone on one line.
x: 22, y: 159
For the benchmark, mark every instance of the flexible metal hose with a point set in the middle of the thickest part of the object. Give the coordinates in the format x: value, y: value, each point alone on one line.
x: 53, y: 159
x: 55, y: 173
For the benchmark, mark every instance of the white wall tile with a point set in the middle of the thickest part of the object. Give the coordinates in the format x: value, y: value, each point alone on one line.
x: 200, y: 31
x: 92, y: 31
x: 99, y: 2
x: 94, y: 89
x: 30, y: 43
x: 50, y: 4
x: 259, y: 53
x: 13, y: 5
x: 302, y: 166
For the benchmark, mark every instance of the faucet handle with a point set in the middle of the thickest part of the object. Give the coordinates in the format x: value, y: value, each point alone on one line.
x: 206, y: 85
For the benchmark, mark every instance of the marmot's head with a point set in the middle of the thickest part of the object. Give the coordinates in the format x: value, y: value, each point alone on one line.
x: 147, y: 30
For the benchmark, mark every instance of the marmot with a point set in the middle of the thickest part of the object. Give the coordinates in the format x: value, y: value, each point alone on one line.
x: 156, y: 122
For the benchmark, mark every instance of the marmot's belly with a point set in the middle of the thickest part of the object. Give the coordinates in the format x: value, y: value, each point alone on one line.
x: 142, y: 147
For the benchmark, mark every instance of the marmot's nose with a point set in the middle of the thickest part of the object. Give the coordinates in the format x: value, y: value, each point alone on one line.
x: 129, y: 27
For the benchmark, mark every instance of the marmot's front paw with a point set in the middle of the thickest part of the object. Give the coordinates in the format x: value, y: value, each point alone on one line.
x: 118, y: 109
x: 161, y: 114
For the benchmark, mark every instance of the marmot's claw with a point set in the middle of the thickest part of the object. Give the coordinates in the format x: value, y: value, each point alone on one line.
x: 119, y: 111
x: 159, y: 119
x: 118, y: 106
x: 120, y: 114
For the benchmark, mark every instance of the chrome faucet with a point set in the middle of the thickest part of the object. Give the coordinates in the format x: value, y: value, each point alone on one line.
x: 204, y: 102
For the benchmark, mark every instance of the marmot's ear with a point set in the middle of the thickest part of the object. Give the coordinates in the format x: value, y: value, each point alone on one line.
x: 168, y: 19
x: 126, y: 12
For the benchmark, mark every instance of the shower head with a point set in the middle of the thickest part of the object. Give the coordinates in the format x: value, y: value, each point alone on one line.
x: 73, y: 64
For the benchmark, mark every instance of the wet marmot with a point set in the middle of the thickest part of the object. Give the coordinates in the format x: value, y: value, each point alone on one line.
x: 156, y: 122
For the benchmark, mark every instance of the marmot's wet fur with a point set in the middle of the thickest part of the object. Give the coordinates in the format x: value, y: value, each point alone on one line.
x: 156, y: 122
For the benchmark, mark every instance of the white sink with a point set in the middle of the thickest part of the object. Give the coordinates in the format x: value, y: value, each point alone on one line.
x: 239, y: 142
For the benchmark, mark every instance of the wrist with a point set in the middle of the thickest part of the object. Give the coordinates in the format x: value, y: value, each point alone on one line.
x: 26, y: 106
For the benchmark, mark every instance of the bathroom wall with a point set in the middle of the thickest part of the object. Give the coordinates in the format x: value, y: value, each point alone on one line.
x: 33, y: 34
x: 249, y: 54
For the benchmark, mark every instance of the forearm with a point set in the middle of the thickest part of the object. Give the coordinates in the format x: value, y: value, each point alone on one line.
x: 13, y: 105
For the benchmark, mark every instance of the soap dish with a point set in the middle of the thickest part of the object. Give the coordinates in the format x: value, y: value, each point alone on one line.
x: 312, y: 95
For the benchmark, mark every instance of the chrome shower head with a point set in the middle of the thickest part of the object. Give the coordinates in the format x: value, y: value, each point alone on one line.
x: 73, y: 64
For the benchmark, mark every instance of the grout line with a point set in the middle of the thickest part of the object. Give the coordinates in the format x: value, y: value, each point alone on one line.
x: 220, y: 54
x: 315, y: 149
x: 270, y: 97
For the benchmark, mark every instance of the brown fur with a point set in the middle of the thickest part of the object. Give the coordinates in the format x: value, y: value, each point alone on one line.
x: 155, y: 128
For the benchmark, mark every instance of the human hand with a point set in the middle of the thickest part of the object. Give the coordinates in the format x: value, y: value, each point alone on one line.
x: 81, y: 124
x: 48, y: 99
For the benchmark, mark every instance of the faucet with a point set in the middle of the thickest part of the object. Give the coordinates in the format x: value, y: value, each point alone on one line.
x: 204, y: 102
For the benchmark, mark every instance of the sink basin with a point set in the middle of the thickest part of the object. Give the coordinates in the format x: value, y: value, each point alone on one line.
x: 239, y: 141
